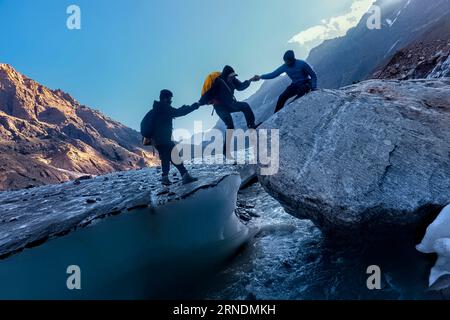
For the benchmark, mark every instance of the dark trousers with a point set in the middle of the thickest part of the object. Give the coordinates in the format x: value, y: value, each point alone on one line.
x: 294, y: 90
x: 224, y: 112
x: 165, y: 155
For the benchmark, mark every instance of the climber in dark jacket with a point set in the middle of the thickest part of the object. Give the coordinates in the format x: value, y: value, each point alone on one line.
x: 303, y: 77
x: 164, y: 113
x: 221, y: 95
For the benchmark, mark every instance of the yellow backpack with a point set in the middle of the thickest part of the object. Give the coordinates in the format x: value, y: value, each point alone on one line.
x: 210, y: 81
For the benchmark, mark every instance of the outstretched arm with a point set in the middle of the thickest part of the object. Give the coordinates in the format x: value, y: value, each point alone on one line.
x: 241, y: 86
x: 274, y: 74
x: 184, y: 110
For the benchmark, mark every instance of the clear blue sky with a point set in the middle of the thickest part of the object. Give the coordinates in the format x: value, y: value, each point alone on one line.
x: 127, y: 50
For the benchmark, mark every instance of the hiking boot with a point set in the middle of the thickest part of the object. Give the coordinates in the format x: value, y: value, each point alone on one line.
x: 187, y: 178
x: 166, y: 181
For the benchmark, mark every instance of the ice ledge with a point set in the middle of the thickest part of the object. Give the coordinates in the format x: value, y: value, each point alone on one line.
x: 29, y: 218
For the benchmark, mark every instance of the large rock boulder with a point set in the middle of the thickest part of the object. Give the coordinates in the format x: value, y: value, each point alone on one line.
x: 366, y: 157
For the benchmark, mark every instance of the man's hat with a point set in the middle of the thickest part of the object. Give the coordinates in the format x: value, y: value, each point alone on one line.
x: 165, y: 94
x: 229, y: 71
x: 289, y: 55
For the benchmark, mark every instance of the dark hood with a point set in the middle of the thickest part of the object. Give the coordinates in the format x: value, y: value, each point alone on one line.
x: 289, y: 56
x: 227, y: 70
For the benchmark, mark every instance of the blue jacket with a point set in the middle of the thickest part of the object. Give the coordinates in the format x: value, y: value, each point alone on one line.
x: 301, y: 72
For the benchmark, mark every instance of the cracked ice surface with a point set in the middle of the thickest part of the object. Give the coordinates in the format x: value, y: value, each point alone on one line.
x: 128, y: 234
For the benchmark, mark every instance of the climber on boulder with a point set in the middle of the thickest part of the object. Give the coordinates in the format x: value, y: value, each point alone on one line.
x: 303, y: 77
x: 221, y: 95
x: 218, y: 90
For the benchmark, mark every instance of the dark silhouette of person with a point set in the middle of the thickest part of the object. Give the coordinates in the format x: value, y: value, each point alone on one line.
x: 303, y: 77
x: 163, y: 115
x: 221, y: 96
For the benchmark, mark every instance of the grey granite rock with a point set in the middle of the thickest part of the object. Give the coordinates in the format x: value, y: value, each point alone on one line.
x: 366, y: 157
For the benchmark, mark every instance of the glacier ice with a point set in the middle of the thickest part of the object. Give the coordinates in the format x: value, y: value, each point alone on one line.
x: 437, y: 240
x: 138, y: 253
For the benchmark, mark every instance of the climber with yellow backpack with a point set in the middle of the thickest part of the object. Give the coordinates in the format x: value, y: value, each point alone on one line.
x: 218, y: 90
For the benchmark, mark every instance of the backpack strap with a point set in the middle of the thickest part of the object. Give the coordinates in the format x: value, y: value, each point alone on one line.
x: 228, y: 88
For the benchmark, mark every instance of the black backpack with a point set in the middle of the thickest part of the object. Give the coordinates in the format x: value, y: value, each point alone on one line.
x: 148, y: 125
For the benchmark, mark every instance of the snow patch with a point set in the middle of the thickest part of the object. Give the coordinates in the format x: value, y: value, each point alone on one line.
x: 437, y: 240
x: 391, y: 48
x: 441, y: 70
x: 391, y: 22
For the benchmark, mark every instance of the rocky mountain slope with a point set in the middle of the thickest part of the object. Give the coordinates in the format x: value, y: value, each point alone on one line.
x: 46, y: 136
x: 425, y: 57
x: 354, y: 57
